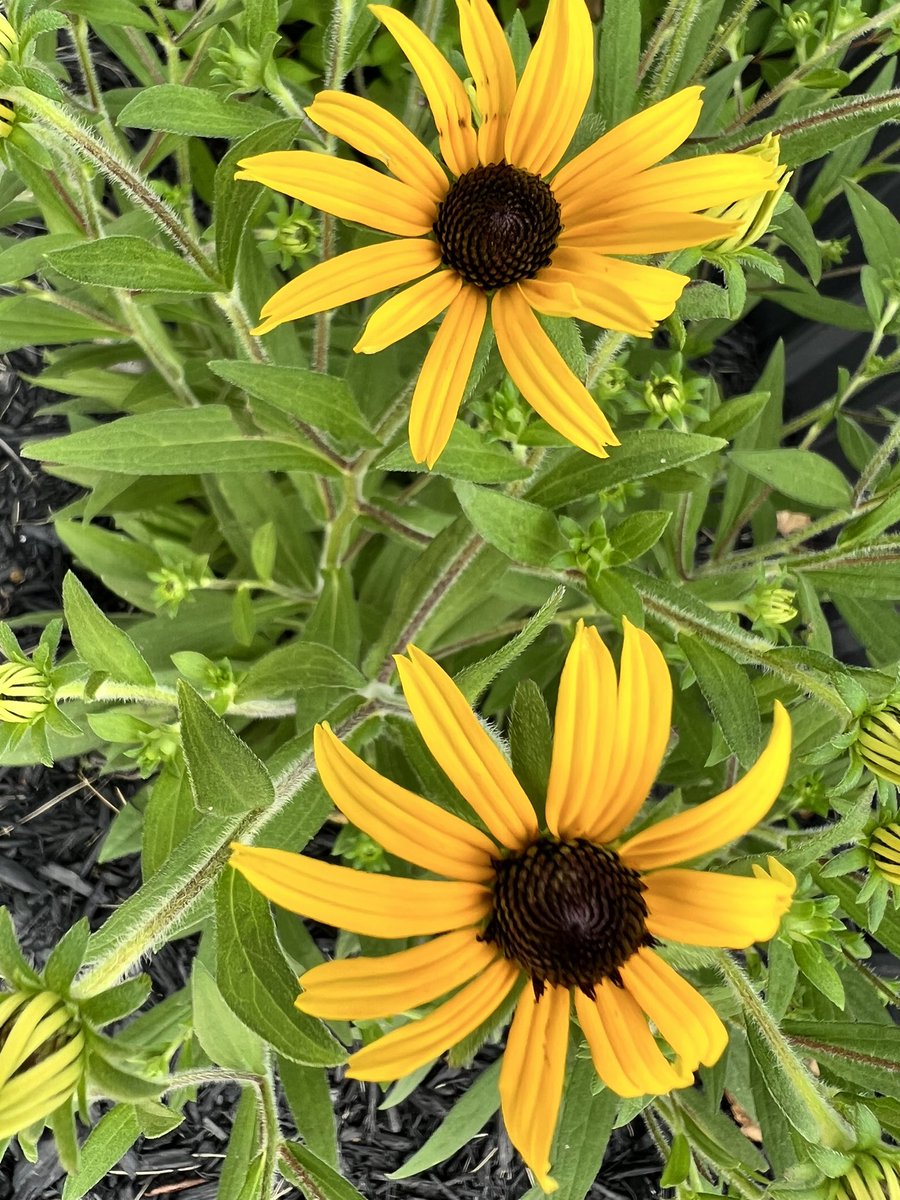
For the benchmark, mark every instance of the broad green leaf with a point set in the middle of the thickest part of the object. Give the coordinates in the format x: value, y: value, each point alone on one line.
x: 704, y: 302
x: 191, y: 111
x: 467, y: 456
x: 523, y: 532
x: 819, y: 971
x: 616, y: 596
x: 37, y: 321
x: 226, y: 776
x: 118, y: 1002
x: 794, y: 229
x: 176, y: 442
x: 474, y: 679
x: 168, y: 816
x: 641, y: 454
x: 223, y: 1036
x: 467, y: 1116
x: 257, y: 982
x: 126, y: 13
x: 130, y: 263
x: 728, y: 693
x: 734, y: 415
x: 114, y: 1134
x: 26, y: 257
x: 638, y: 533
x: 308, y: 1094
x: 798, y: 474
x: 98, y: 642
x: 315, y: 1178
x: 322, y: 400
x: 619, y: 51
x: 778, y: 1086
x: 878, y: 228
x: 299, y: 666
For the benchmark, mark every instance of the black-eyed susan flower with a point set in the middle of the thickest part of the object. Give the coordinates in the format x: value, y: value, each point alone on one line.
x: 568, y: 907
x: 8, y: 39
x: 503, y: 232
x: 41, y: 1058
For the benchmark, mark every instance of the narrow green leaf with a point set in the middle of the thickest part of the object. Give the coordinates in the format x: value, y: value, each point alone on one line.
x: 296, y: 667
x: 226, y: 776
x: 242, y: 1176
x: 308, y: 1095
x: 794, y: 229
x: 100, y: 643
x: 638, y: 533
x: 476, y: 678
x: 619, y: 51
x: 797, y: 474
x: 114, y: 1134
x: 316, y: 1179
x: 66, y: 958
x: 14, y: 967
x: 728, y: 693
x: 865, y: 1055
x: 467, y: 456
x: 778, y: 1087
x: 191, y: 111
x: 878, y: 228
x: 734, y: 415
x: 130, y: 263
x: 223, y: 1036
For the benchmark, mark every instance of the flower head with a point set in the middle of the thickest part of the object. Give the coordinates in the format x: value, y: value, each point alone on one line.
x: 41, y: 1058
x: 24, y: 693
x: 503, y: 232
x: 753, y: 214
x: 568, y: 907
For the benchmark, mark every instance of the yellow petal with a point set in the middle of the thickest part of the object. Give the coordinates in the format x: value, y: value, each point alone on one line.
x: 539, y: 372
x: 364, y: 989
x: 375, y: 905
x: 532, y: 1074
x: 612, y: 288
x: 554, y: 89
x: 18, y: 1043
x: 638, y: 143
x: 442, y: 87
x: 405, y: 824
x: 622, y: 1046
x: 685, y: 1019
x: 689, y: 186
x: 465, y: 751
x: 349, y: 277
x: 582, y: 735
x: 444, y: 375
x: 644, y: 232
x: 643, y: 725
x: 706, y: 908
x: 61, y: 1070
x: 714, y: 824
x: 408, y: 311
x: 553, y: 293
x: 488, y: 58
x: 348, y: 190
x: 372, y: 130
x: 421, y: 1041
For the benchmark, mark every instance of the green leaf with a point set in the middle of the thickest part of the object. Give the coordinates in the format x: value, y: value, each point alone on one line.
x: 616, y: 596
x: 728, y: 693
x: 734, y: 415
x: 467, y: 456
x: 466, y: 1118
x: 257, y: 982
x: 66, y: 958
x: 794, y: 229
x: 524, y: 532
x: 641, y: 454
x: 226, y: 776
x: 778, y: 1086
x: 112, y: 12
x: 14, y: 967
x: 703, y: 302
x: 678, y: 1164
x: 98, y: 642
x: 116, y: 1003
x: 797, y: 474
x: 243, y: 1176
x: 168, y: 817
x: 223, y: 1036
x: 130, y: 263
x: 473, y: 680
x: 321, y: 400
x: 863, y: 573
x: 619, y: 51
x: 315, y: 1179
x: 638, y: 533
x: 175, y: 442
x: 114, y: 1134
x: 865, y: 1055
x: 878, y: 228
x: 191, y: 111
x: 296, y: 667
x: 308, y: 1094
x: 819, y: 971
x: 33, y: 321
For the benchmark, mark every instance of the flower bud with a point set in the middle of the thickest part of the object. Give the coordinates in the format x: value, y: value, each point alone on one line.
x: 755, y: 213
x: 884, y: 847
x: 878, y: 742
x: 24, y: 691
x: 772, y: 605
x: 871, y: 1177
x: 8, y: 39
x: 41, y: 1058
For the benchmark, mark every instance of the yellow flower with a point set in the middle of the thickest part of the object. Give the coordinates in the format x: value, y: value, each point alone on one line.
x: 24, y: 693
x: 499, y: 231
x: 41, y: 1058
x: 8, y: 39
x: 560, y: 906
x: 878, y: 743
x: 884, y: 847
x: 753, y: 214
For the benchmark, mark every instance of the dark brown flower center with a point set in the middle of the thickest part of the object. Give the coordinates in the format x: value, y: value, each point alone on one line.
x: 569, y: 913
x: 497, y: 225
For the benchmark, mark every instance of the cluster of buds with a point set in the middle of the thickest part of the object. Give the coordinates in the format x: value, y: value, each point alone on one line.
x: 176, y: 581
x: 669, y: 393
x: 503, y: 415
x: 41, y: 1058
x: 754, y: 215
x: 8, y: 39
x: 240, y: 68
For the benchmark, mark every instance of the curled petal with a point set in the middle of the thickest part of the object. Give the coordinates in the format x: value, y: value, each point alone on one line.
x: 705, y: 908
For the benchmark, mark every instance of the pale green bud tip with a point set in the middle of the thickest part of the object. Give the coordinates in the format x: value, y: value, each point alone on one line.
x: 878, y: 743
x: 24, y: 691
x: 884, y: 847
x: 773, y: 605
x: 755, y: 213
x: 41, y: 1058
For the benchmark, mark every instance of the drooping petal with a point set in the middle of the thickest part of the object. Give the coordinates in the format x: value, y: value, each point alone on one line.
x: 358, y: 901
x: 345, y: 189
x: 582, y: 735
x: 643, y: 725
x: 623, y: 1049
x: 689, y: 186
x: 531, y: 1077
x: 610, y: 287
x: 442, y: 87
x: 685, y: 1019
x: 541, y: 375
x: 363, y: 989
x: 444, y: 375
x: 465, y: 751
x: 415, y: 1044
x: 349, y: 277
x: 644, y: 232
x: 552, y: 292
x: 719, y: 821
x: 706, y: 908
x: 489, y: 59
x: 408, y: 311
x: 402, y: 822
x: 372, y: 130
x: 640, y: 142
x: 553, y: 90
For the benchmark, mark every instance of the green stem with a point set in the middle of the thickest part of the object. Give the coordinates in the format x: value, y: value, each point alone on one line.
x: 606, y: 348
x: 876, y: 464
x: 688, y: 12
x: 834, y: 1132
x: 127, y: 693
x: 724, y: 34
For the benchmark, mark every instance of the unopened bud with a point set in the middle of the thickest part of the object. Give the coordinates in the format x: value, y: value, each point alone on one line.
x: 24, y: 692
x: 884, y: 847
x: 41, y: 1058
x: 878, y: 743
